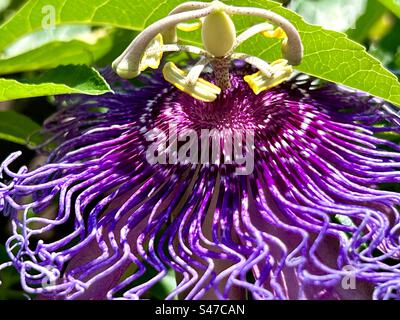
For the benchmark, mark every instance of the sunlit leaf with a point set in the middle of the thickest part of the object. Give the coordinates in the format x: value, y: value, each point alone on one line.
x: 62, y: 80
x: 62, y: 53
x: 83, y: 51
x: 134, y: 15
x: 39, y: 38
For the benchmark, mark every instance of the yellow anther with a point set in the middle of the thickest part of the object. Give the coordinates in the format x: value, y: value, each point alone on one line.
x: 153, y: 54
x: 201, y: 89
x: 278, y: 33
x: 126, y: 68
x: 259, y: 82
x: 188, y: 27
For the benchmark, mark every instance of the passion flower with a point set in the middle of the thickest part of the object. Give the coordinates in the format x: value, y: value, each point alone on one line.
x: 309, y: 221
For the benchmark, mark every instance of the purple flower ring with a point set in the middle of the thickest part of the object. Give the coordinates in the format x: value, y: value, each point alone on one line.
x: 309, y: 215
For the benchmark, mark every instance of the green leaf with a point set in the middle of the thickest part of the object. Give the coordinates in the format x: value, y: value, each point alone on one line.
x: 85, y: 51
x: 167, y: 284
x: 384, y: 56
x: 390, y: 43
x: 18, y: 128
x: 344, y: 220
x: 338, y: 15
x: 62, y: 80
x: 37, y: 39
x: 133, y: 15
x: 392, y: 136
x: 385, y: 47
x: 8, y: 7
x: 120, y: 38
x: 10, y: 287
x: 365, y: 22
x: 392, y: 5
x: 331, y: 56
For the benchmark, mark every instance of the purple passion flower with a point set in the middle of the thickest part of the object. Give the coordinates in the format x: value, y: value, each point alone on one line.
x: 282, y: 197
x: 308, y: 219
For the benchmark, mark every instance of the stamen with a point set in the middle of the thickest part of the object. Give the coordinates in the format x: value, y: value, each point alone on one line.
x: 170, y: 35
x: 293, y: 50
x: 128, y: 64
x: 252, y: 31
x: 259, y: 82
x: 258, y: 63
x: 196, y: 71
x: 153, y: 55
x: 278, y: 33
x: 151, y: 58
x: 201, y: 89
x: 184, y: 48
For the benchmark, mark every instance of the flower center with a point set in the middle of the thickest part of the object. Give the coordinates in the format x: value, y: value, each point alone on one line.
x: 238, y: 108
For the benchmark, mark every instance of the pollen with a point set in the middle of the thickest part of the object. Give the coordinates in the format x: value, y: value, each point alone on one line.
x: 153, y: 55
x: 259, y: 82
x: 278, y: 33
x: 201, y: 89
